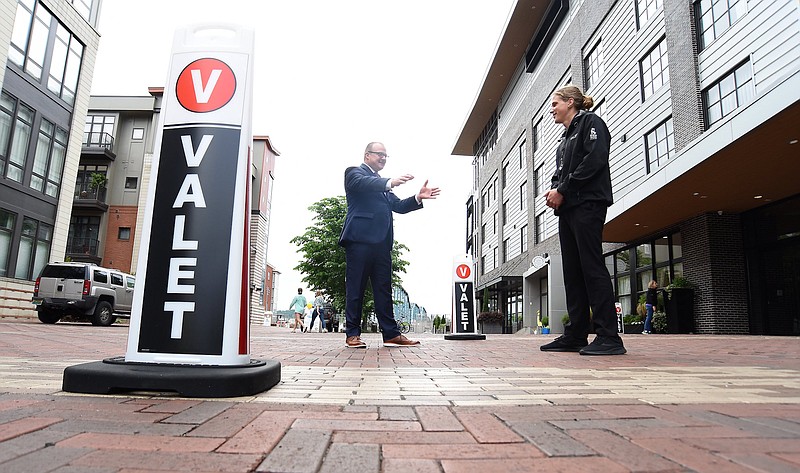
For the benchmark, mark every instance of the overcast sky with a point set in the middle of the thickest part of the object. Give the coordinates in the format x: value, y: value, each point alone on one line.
x: 331, y: 76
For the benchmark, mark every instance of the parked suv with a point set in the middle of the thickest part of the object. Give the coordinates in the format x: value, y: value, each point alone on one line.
x: 83, y: 290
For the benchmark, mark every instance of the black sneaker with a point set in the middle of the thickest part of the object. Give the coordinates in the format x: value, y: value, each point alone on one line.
x: 565, y: 343
x: 604, y: 346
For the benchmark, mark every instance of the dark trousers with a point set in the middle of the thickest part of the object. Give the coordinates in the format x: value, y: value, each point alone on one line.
x: 372, y: 262
x: 586, y: 279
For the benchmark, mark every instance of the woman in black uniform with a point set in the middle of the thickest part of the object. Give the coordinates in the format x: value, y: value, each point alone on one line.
x: 580, y: 196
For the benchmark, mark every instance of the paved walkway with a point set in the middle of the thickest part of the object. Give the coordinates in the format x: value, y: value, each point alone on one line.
x: 675, y: 403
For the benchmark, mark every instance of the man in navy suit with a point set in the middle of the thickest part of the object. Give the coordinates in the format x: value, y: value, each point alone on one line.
x: 368, y: 236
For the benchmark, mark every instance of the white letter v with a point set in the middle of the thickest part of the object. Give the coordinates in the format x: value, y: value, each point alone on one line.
x: 202, y: 94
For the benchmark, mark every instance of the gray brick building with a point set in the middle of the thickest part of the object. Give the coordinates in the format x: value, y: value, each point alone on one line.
x: 701, y: 98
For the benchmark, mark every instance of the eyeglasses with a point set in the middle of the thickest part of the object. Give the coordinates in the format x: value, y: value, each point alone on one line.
x: 379, y: 153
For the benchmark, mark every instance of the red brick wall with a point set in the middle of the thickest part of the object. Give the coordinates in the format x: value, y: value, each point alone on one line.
x: 118, y: 253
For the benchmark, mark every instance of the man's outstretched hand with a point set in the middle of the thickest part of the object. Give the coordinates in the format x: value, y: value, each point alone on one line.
x: 428, y: 192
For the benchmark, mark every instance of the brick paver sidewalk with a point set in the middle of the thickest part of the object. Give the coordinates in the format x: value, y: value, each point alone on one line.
x: 675, y: 403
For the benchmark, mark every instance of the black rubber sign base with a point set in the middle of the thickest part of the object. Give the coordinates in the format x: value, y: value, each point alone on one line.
x: 465, y: 336
x: 114, y: 375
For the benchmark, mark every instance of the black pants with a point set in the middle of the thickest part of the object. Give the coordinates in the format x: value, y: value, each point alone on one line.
x: 373, y: 262
x: 586, y: 279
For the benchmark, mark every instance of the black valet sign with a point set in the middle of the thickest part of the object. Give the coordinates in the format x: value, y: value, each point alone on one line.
x: 191, y: 303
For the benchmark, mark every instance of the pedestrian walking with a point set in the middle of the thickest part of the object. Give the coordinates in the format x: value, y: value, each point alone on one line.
x: 298, y: 304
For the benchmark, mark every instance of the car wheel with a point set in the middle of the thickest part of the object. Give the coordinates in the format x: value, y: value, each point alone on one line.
x: 47, y: 317
x: 103, y: 314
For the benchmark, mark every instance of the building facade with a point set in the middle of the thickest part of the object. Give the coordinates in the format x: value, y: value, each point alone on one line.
x: 701, y: 99
x: 47, y: 56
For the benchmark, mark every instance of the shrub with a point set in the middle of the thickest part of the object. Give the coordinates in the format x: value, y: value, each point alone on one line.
x: 659, y: 322
x: 545, y: 321
x: 632, y: 319
x: 490, y: 316
x: 564, y: 319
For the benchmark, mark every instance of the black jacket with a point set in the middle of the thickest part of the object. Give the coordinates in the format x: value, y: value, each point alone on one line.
x: 582, y: 171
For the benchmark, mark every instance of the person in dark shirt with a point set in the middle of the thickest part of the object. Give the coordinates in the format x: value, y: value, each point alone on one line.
x: 650, y: 302
x: 580, y: 196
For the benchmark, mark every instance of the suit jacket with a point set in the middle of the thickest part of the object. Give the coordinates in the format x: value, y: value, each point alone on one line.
x: 370, y: 206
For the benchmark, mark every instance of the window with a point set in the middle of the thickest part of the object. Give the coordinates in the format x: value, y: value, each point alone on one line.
x: 537, y: 180
x: 522, y: 155
x: 599, y: 109
x: 646, y: 9
x: 124, y: 233
x: 14, y: 157
x: 131, y: 182
x: 100, y: 276
x: 729, y: 93
x: 7, y: 221
x: 83, y: 182
x: 659, y: 146
x: 99, y: 131
x: 714, y: 17
x: 537, y: 135
x: 116, y: 279
x: 137, y: 134
x: 542, y: 184
x: 494, y: 257
x: 34, y: 248
x: 494, y: 223
x: 483, y: 232
x: 539, y: 236
x: 83, y: 7
x: 40, y: 41
x: 130, y: 282
x: 48, y: 162
x: 523, y: 201
x: 523, y: 238
x: 593, y: 66
x: 84, y: 234
x: 505, y: 250
x: 654, y: 69
x: 504, y: 175
x: 505, y: 212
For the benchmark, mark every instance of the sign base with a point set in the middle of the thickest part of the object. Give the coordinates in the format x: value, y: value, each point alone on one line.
x: 465, y: 336
x: 114, y: 375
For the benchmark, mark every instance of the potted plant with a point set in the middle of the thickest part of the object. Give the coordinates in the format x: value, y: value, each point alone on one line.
x: 545, y: 325
x: 633, y: 323
x: 97, y: 181
x: 491, y: 321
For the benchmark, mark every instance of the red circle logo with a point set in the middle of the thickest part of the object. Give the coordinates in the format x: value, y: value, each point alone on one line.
x: 463, y: 271
x: 205, y: 85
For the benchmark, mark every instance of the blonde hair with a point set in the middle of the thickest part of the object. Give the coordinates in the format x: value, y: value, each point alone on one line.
x: 653, y: 284
x: 569, y: 91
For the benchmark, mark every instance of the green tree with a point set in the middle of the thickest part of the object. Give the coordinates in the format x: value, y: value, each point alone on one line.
x: 323, y: 261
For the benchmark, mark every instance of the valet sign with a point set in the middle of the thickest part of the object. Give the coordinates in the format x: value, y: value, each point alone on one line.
x: 191, y: 302
x: 463, y: 297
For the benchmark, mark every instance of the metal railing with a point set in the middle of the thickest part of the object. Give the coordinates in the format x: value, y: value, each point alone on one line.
x: 83, y: 245
x: 98, y: 139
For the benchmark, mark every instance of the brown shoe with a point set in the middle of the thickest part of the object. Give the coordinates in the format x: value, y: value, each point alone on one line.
x: 355, y: 342
x: 400, y: 341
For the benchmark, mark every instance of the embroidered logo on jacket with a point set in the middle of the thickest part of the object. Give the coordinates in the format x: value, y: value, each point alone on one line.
x: 592, y: 134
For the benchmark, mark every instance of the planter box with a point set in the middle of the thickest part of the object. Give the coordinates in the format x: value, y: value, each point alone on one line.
x: 491, y: 327
x: 634, y: 328
x: 680, y: 310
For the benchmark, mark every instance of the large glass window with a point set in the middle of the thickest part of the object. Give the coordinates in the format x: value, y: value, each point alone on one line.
x: 523, y: 198
x: 729, y: 93
x: 645, y: 10
x: 714, y: 17
x: 7, y: 221
x: 540, y: 225
x: 20, y: 142
x: 654, y: 69
x: 34, y: 249
x: 99, y: 131
x: 49, y: 158
x: 594, y: 65
x: 523, y: 238
x: 659, y: 145
x: 37, y: 37
x: 635, y: 267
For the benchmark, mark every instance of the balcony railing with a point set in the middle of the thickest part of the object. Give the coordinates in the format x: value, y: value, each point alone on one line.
x: 85, y: 193
x: 98, y: 140
x: 82, y: 246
